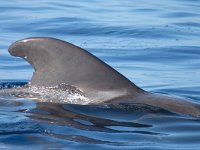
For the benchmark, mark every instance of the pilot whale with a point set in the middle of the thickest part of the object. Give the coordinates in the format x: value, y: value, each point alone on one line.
x: 56, y: 62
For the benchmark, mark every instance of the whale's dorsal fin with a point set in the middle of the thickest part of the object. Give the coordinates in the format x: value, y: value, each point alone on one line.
x: 56, y: 62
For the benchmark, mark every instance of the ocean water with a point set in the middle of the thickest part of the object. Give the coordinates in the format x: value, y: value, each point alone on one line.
x: 155, y: 44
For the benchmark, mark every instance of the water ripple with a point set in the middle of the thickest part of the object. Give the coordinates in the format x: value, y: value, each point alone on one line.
x: 155, y: 44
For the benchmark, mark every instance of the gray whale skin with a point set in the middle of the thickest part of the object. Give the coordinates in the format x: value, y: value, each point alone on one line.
x: 56, y: 61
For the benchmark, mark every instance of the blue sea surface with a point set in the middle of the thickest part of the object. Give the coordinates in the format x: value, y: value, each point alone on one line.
x: 155, y: 44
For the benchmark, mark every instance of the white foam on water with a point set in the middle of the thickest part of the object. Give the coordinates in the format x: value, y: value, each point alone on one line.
x: 62, y: 93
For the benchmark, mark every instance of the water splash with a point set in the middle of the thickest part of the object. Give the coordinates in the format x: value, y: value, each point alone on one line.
x: 62, y: 93
x: 59, y: 94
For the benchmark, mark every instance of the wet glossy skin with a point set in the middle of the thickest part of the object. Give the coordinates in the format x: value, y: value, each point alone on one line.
x: 56, y: 62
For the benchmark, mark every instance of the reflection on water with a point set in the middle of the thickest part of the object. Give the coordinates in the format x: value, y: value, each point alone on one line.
x: 97, y: 126
x: 155, y: 44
